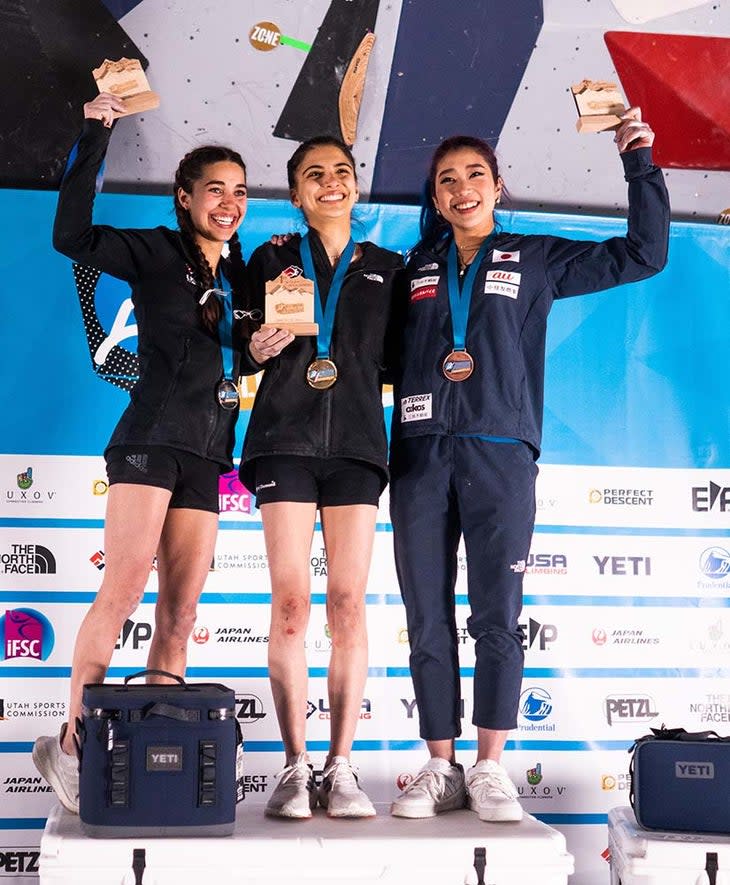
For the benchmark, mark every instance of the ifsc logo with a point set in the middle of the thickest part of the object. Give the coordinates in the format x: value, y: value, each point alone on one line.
x: 108, y: 316
x: 26, y: 633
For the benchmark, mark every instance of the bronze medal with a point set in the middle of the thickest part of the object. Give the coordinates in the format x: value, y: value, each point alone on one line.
x: 321, y: 374
x: 458, y: 365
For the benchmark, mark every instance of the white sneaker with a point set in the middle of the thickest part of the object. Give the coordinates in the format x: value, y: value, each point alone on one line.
x: 295, y: 794
x: 340, y: 792
x: 491, y: 792
x: 59, y: 769
x: 438, y: 786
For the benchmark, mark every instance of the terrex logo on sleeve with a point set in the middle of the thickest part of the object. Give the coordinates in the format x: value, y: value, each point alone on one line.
x: 424, y: 287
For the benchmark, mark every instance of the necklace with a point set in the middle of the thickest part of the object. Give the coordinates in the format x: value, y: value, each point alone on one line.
x: 466, y: 255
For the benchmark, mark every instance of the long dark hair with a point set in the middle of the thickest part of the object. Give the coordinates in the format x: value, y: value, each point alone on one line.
x: 189, y: 171
x: 432, y: 225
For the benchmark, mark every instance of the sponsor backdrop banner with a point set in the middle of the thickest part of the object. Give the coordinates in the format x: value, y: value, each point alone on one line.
x: 626, y: 588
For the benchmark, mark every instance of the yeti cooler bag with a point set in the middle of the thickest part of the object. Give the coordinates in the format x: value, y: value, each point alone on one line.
x: 158, y: 760
x: 679, y: 781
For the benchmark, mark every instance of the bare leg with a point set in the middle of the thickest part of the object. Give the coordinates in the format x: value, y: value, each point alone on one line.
x: 184, y: 555
x: 348, y: 535
x: 135, y: 515
x: 490, y: 743
x: 288, y: 530
x: 442, y: 750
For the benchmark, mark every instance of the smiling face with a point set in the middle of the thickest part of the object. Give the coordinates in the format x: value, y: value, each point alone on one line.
x: 217, y: 202
x: 325, y: 187
x: 465, y: 192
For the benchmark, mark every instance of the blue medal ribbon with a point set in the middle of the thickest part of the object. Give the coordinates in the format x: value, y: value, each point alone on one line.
x: 325, y: 319
x: 225, y: 323
x: 460, y: 298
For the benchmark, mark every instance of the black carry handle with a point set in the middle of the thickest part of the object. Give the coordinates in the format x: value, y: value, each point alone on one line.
x: 711, y: 866
x: 680, y: 734
x: 128, y: 679
x: 168, y: 711
x: 138, y: 865
x: 480, y: 864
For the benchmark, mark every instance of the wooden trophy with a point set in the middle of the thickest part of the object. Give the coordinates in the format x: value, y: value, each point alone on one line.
x: 600, y: 105
x: 289, y: 305
x: 126, y: 79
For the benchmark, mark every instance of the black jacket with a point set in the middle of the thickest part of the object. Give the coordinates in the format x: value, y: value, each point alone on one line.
x: 174, y: 401
x: 346, y: 420
x: 513, y: 292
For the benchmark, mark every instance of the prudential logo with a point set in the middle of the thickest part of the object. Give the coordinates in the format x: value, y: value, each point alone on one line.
x: 536, y: 706
x: 26, y: 633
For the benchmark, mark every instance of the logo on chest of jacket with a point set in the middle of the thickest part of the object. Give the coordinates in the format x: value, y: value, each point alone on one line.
x: 502, y: 282
x: 424, y: 287
x: 415, y: 408
x: 373, y: 277
x: 498, y: 256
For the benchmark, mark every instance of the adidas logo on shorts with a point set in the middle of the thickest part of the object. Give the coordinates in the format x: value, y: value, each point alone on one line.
x: 138, y: 461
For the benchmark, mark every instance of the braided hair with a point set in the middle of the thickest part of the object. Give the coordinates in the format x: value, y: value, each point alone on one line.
x: 189, y: 171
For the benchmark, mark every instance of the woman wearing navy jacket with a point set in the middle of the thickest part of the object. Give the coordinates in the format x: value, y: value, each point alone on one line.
x: 466, y: 436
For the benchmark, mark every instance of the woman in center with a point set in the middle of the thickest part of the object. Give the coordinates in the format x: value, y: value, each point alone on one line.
x: 316, y: 440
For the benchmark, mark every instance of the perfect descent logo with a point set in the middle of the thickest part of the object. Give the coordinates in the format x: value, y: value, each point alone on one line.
x: 26, y: 633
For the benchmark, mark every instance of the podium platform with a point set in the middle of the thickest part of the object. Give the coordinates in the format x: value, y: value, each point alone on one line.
x: 653, y: 857
x: 451, y: 849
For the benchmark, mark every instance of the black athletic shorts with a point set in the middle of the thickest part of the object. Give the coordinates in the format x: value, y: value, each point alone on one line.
x: 326, y: 482
x: 192, y: 480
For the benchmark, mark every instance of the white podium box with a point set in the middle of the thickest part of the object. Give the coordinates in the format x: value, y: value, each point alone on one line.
x: 379, y: 851
x: 653, y: 857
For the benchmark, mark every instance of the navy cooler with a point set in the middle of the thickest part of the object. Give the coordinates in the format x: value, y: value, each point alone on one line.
x: 158, y: 760
x: 679, y: 781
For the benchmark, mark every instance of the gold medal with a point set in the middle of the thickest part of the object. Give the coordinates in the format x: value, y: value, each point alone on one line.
x: 458, y: 365
x: 321, y: 374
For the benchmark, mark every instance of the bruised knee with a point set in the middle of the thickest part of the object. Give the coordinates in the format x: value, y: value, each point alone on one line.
x: 290, y: 615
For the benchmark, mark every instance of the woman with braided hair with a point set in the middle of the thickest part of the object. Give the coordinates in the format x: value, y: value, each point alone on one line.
x: 177, y: 434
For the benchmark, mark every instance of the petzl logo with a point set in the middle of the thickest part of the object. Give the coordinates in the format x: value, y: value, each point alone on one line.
x: 28, y: 559
x: 636, y: 708
x: 19, y: 860
x: 535, y: 704
x: 108, y: 317
x: 249, y: 708
x: 715, y: 563
x: 26, y: 633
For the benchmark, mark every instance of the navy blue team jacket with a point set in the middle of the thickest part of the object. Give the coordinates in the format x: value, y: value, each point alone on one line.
x: 514, y: 289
